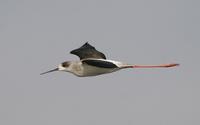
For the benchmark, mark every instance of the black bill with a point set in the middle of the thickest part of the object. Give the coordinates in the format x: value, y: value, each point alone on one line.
x: 56, y: 69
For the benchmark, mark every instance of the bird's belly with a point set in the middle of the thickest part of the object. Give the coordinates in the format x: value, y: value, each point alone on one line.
x: 93, y: 71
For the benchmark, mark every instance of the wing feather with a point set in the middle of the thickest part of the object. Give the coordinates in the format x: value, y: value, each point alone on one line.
x: 88, y: 51
x: 99, y: 63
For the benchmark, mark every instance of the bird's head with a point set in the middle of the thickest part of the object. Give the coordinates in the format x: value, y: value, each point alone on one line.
x: 65, y: 66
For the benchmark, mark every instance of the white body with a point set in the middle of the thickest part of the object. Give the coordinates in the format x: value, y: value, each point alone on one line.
x: 93, y: 62
x: 81, y: 69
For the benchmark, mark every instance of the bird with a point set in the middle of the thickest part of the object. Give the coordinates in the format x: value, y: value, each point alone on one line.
x: 93, y: 62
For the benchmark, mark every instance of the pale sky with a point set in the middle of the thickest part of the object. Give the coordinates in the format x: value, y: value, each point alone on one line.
x: 37, y: 35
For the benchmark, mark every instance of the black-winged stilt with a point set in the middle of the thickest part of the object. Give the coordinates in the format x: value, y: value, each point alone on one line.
x: 92, y: 63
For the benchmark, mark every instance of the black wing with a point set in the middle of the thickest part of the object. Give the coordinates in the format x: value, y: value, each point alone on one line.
x: 88, y: 51
x: 99, y: 63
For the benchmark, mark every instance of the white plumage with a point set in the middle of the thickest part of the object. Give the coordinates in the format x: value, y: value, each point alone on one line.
x: 93, y: 62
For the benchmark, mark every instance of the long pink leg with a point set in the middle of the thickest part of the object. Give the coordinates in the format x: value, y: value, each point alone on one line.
x: 154, y: 66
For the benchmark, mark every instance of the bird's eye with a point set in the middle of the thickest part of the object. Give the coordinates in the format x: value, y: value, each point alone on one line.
x: 65, y: 64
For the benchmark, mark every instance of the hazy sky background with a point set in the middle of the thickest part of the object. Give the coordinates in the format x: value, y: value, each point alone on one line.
x: 37, y: 35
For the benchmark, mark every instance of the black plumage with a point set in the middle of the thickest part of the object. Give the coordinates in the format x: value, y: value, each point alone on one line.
x: 88, y: 51
x: 99, y: 63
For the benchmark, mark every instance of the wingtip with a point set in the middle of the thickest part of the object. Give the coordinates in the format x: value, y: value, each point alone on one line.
x: 86, y: 43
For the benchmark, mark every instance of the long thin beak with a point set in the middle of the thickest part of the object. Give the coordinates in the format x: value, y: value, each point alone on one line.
x: 56, y: 69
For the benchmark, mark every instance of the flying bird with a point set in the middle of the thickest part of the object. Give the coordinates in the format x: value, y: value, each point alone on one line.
x: 92, y: 63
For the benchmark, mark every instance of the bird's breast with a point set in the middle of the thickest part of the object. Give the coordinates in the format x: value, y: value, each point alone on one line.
x: 92, y: 70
